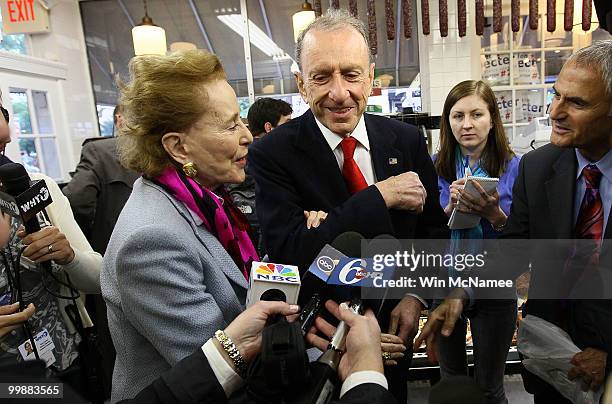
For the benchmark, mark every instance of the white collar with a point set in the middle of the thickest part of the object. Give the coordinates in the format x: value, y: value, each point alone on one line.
x: 333, y: 140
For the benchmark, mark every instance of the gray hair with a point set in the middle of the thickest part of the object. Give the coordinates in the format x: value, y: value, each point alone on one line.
x: 332, y: 20
x: 598, y: 57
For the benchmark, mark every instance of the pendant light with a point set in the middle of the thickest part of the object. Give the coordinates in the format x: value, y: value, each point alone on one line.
x: 149, y: 39
x: 302, y: 18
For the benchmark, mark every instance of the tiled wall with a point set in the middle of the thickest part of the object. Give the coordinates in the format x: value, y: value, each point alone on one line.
x: 444, y: 62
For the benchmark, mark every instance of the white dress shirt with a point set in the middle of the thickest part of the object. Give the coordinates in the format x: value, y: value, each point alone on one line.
x: 362, y: 157
x: 362, y: 152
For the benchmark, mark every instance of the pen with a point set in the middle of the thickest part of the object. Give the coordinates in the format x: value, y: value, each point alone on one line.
x: 467, y: 172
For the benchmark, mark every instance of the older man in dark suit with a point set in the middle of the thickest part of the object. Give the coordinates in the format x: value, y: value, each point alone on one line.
x: 359, y: 172
x: 564, y: 191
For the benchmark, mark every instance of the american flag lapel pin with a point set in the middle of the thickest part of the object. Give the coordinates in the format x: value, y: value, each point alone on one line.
x: 392, y: 160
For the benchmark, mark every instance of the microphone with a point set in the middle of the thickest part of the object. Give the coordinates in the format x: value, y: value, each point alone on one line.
x: 316, y: 278
x: 20, y: 199
x: 323, y: 383
x: 276, y: 282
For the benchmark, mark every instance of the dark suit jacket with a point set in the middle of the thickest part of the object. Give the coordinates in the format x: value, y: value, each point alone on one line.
x: 192, y: 381
x: 295, y: 170
x: 98, y: 190
x: 542, y: 208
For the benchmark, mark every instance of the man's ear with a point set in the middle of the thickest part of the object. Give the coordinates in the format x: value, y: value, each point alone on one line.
x: 301, y: 85
x: 370, y: 79
x: 268, y: 127
x: 174, y: 144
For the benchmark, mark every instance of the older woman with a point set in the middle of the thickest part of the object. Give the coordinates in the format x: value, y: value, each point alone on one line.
x: 177, y: 264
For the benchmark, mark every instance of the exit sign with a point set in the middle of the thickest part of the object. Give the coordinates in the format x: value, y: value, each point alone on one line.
x: 24, y: 17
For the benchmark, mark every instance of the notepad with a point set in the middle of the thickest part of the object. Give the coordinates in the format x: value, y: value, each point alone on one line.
x: 461, y: 220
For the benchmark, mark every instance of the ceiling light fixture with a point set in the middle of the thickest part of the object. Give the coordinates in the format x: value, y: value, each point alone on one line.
x: 302, y: 19
x: 257, y: 37
x: 149, y: 39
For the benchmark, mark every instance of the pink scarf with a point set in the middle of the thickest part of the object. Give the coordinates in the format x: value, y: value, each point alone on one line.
x: 229, y: 225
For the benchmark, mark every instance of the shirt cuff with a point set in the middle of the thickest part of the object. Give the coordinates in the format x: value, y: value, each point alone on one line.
x: 76, y: 261
x: 363, y: 377
x: 419, y: 298
x: 227, y: 377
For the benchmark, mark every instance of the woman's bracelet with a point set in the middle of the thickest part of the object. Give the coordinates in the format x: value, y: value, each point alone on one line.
x: 232, y: 351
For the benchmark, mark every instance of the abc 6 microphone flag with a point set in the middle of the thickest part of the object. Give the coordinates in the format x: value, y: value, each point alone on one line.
x: 270, y: 281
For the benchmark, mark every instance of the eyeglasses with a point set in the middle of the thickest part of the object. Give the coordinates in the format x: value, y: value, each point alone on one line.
x: 5, y: 113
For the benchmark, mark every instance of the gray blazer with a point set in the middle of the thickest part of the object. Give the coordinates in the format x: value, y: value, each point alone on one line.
x: 169, y: 285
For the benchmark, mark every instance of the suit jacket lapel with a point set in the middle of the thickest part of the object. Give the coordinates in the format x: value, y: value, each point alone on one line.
x: 387, y: 160
x: 321, y: 162
x: 560, y: 189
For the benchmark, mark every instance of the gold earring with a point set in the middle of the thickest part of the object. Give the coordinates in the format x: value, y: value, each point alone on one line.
x: 190, y: 169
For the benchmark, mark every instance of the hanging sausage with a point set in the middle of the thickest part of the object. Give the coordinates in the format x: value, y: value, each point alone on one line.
x: 462, y: 17
x: 390, y: 20
x: 568, y: 16
x: 372, y: 27
x: 353, y: 8
x: 317, y: 8
x: 551, y: 15
x: 407, y: 17
x: 497, y: 15
x: 516, y: 13
x: 443, y: 18
x: 425, y: 16
x: 479, y: 17
x: 586, y: 15
x: 533, y: 14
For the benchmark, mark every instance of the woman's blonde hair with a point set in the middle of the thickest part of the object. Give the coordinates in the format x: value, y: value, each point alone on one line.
x: 165, y: 94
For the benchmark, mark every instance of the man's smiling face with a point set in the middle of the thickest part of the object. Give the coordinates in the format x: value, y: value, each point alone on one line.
x: 336, y: 77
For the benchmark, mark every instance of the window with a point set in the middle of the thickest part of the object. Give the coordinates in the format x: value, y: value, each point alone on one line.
x: 15, y: 43
x: 34, y: 129
x: 522, y: 67
x: 105, y: 119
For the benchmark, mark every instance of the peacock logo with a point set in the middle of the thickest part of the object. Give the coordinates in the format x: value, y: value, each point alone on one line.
x: 277, y: 272
x: 275, y: 269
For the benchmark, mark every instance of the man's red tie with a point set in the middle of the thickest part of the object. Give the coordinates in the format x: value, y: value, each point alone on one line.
x: 353, y: 177
x: 589, y: 230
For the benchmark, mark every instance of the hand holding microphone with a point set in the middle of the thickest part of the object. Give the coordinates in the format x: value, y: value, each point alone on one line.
x: 47, y: 244
x: 362, y: 346
x: 245, y: 331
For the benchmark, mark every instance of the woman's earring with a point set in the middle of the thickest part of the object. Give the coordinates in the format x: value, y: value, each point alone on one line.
x: 190, y: 169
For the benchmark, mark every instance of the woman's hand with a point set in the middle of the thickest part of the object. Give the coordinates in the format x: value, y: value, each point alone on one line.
x: 485, y: 205
x: 454, y: 192
x: 245, y: 330
x: 314, y: 218
x: 5, y: 229
x: 11, y: 318
x: 47, y: 244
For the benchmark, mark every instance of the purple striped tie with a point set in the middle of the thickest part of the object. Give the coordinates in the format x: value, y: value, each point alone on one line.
x: 590, y: 217
x: 588, y: 232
